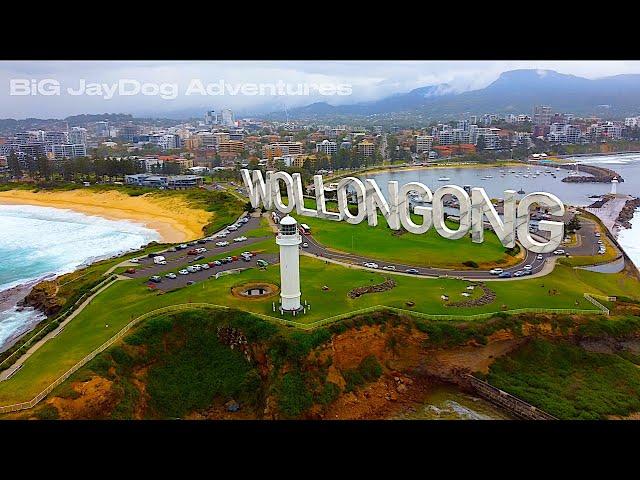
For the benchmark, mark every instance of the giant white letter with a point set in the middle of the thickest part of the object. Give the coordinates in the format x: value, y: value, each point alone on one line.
x: 438, y: 212
x: 556, y: 229
x: 299, y: 198
x: 257, y: 188
x: 375, y: 200
x: 481, y: 205
x: 275, y: 192
x: 343, y: 202
x: 321, y: 204
x: 405, y: 213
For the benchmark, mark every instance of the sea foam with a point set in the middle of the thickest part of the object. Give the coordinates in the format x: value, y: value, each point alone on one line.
x: 37, y: 242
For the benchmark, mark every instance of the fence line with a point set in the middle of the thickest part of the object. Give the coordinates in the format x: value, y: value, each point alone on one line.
x: 61, y: 316
x: 504, y: 399
x: 308, y: 326
x: 595, y: 302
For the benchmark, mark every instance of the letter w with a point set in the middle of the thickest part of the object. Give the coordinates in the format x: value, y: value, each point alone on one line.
x: 258, y: 189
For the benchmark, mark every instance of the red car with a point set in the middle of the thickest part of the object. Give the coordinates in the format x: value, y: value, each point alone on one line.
x: 192, y: 252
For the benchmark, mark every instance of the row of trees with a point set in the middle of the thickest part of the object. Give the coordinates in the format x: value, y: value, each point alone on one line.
x: 81, y: 168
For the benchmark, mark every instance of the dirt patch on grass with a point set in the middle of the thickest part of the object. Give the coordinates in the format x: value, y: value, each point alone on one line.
x: 96, y: 399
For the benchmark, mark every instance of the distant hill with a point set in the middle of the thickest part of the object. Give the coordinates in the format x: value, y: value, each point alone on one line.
x: 515, y: 91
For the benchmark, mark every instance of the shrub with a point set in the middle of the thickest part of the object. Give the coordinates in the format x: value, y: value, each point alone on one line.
x: 293, y: 396
x: 470, y: 263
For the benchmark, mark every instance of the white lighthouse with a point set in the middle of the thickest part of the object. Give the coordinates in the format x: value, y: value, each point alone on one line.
x: 289, y: 239
x: 614, y: 185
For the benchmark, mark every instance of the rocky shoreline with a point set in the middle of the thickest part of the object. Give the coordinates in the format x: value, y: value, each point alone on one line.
x: 596, y: 174
x: 627, y: 212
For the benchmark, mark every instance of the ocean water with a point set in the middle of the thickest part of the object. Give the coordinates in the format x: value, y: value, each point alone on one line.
x: 630, y: 239
x: 37, y: 242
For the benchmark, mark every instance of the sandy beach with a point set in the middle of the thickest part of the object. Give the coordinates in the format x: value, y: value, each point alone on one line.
x: 171, y: 217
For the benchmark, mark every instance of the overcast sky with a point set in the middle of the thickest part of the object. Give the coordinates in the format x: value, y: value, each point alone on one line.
x: 366, y: 80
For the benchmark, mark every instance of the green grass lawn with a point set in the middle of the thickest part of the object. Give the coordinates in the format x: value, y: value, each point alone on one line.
x: 126, y: 300
x: 428, y: 250
x: 569, y: 382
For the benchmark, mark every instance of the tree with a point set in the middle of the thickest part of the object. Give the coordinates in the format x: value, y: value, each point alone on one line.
x: 14, y: 165
x: 43, y: 164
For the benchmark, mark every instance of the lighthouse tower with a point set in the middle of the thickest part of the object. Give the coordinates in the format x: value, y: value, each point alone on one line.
x: 288, y: 238
x: 614, y: 185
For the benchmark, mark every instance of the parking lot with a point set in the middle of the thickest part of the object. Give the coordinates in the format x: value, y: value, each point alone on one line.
x: 179, y: 259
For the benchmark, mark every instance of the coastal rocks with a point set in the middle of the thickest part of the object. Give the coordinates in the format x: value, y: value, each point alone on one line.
x: 234, y: 339
x: 488, y: 296
x: 596, y: 175
x: 388, y: 284
x: 627, y: 212
x: 43, y: 297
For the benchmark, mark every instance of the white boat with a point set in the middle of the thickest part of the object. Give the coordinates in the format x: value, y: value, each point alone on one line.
x: 444, y: 179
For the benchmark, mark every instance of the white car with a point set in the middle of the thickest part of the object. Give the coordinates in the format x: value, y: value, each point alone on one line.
x: 559, y: 252
x: 192, y: 269
x: 597, y: 234
x: 135, y: 260
x: 239, y: 239
x: 222, y: 244
x: 232, y: 228
x: 389, y: 267
x: 496, y: 271
x: 171, y: 276
x: 540, y: 257
x: 371, y: 265
x: 305, y: 245
x: 201, y: 250
x: 183, y: 272
x: 528, y: 267
x: 205, y: 266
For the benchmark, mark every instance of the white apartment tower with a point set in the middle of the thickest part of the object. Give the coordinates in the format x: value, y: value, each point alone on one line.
x: 289, y: 240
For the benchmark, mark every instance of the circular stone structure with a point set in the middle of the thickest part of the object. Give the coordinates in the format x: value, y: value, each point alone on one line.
x: 256, y: 290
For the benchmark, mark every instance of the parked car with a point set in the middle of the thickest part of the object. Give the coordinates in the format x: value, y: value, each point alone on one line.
x: 528, y: 267
x: 192, y: 252
x: 190, y: 282
x: 155, y: 279
x: 171, y: 276
x: 305, y: 245
x: 232, y: 228
x: 239, y: 239
x: 559, y: 252
x: 184, y: 271
x: 134, y: 260
x: 182, y: 246
x: 262, y: 263
x: 191, y: 269
x: 389, y: 267
x: 222, y: 244
x: 205, y: 266
x: 130, y: 271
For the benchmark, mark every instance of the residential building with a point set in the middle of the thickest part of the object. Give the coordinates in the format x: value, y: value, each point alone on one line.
x: 327, y: 147
x: 424, y: 143
x: 366, y: 148
x: 541, y: 115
